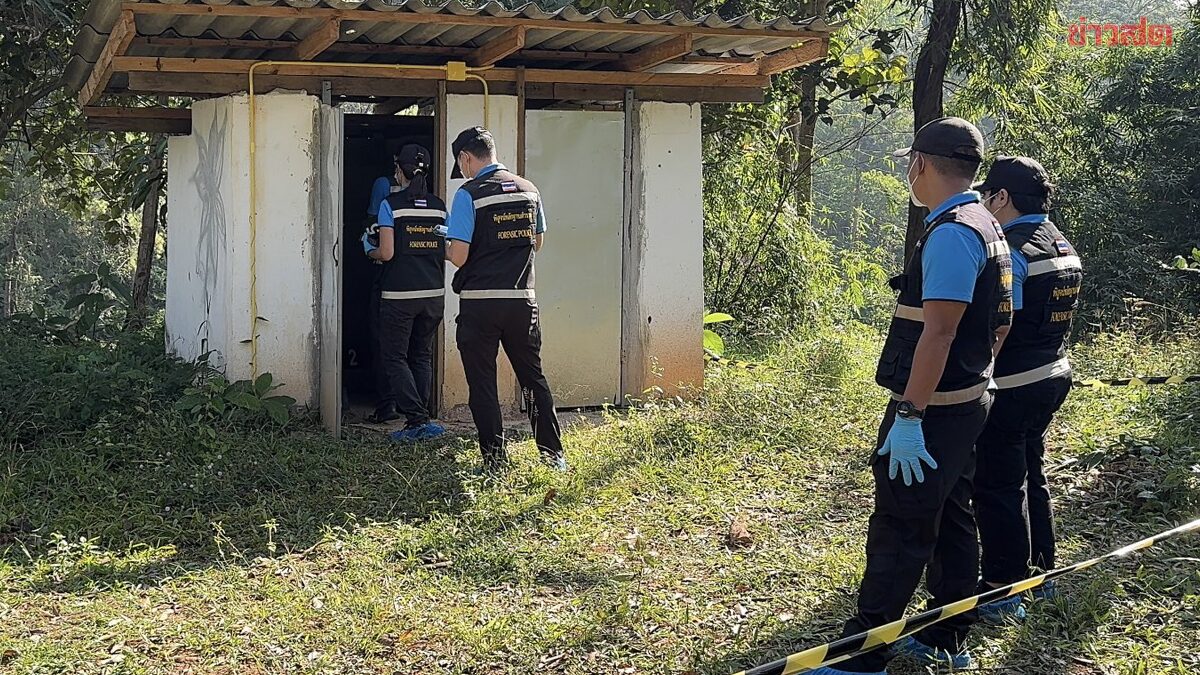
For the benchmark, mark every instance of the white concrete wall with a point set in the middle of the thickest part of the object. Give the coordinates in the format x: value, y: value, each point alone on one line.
x: 462, y: 112
x: 209, y: 282
x: 664, y: 299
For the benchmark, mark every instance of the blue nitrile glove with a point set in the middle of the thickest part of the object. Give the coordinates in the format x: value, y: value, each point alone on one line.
x: 905, y: 443
x: 367, y: 245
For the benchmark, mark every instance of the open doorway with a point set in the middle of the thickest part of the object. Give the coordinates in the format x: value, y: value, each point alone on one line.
x: 370, y: 143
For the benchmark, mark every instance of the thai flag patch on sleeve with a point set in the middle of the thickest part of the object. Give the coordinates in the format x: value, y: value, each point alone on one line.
x: 421, y: 203
x: 509, y: 186
x: 1061, y: 246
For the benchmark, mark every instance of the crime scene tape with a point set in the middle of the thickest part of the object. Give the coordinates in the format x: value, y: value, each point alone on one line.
x: 849, y: 647
x: 1095, y: 383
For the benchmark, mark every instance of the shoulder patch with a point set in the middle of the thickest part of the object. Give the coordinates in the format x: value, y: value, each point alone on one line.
x: 420, y: 203
x: 509, y: 186
x: 1062, y: 247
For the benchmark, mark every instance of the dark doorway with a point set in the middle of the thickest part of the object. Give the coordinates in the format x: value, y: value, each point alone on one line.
x: 371, y: 142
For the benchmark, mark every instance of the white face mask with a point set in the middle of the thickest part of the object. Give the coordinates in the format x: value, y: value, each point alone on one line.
x: 994, y: 195
x: 912, y: 195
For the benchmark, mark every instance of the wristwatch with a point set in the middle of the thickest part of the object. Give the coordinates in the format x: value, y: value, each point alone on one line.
x: 908, y: 411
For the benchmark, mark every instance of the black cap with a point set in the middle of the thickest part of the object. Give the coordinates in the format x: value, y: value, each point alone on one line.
x: 1018, y: 175
x: 464, y: 139
x: 947, y: 137
x: 415, y: 156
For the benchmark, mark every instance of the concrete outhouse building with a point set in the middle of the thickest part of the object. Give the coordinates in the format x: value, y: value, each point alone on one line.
x: 270, y: 166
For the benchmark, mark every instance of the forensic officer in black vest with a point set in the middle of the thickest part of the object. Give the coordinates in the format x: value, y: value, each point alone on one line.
x: 1033, y: 376
x: 495, y: 229
x: 954, y: 296
x: 411, y: 249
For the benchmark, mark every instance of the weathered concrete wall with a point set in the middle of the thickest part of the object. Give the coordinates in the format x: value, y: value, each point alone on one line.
x: 464, y: 111
x: 209, y: 282
x: 664, y: 265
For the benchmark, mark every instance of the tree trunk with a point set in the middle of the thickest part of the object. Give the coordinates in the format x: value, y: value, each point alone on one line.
x: 928, y: 84
x: 146, y: 239
x: 10, y: 283
x: 804, y: 131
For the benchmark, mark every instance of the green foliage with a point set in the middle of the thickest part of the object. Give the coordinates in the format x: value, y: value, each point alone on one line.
x: 51, y: 388
x: 713, y: 342
x: 216, y: 400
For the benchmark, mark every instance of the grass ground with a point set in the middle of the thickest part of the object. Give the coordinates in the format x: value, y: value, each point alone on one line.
x: 150, y: 548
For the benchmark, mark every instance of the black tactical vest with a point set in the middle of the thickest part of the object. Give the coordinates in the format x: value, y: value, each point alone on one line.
x: 969, y: 363
x: 1036, y: 347
x: 420, y: 250
x: 501, y: 256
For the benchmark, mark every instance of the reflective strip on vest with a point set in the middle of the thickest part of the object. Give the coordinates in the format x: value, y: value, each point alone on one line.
x: 498, y: 294
x: 394, y: 189
x: 909, y: 312
x: 412, y: 295
x: 418, y: 213
x: 1057, y: 368
x: 953, y: 397
x: 506, y: 198
x: 1066, y: 262
x: 997, y: 248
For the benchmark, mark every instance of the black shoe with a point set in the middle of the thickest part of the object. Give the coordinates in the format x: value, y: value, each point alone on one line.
x: 382, y: 415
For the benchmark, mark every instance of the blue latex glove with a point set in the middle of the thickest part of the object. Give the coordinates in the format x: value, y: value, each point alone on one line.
x: 905, y: 443
x: 367, y: 245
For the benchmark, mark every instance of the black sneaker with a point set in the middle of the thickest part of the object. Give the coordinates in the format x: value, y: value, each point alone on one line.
x: 383, y: 415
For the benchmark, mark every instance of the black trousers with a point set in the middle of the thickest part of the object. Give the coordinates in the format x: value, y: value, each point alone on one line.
x: 926, y: 527
x: 1016, y: 520
x: 407, y: 332
x: 484, y: 325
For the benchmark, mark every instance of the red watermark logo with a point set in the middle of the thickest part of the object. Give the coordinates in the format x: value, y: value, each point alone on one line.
x: 1141, y: 34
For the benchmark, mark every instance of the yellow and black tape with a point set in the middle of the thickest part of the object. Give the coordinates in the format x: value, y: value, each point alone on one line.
x: 849, y: 647
x: 1095, y: 383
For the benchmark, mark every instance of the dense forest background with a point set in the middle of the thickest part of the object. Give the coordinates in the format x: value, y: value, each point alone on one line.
x: 805, y: 210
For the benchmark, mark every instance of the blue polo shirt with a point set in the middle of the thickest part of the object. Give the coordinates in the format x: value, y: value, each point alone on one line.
x: 380, y: 189
x: 953, y: 255
x: 461, y: 223
x: 1020, y: 265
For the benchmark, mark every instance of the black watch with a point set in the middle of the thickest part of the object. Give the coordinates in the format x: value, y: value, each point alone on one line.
x: 908, y: 411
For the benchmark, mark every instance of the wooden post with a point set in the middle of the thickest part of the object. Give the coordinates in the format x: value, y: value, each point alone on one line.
x: 632, y: 339
x: 521, y: 121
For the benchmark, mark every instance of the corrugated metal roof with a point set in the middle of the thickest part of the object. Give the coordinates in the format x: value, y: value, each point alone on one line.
x: 360, y: 35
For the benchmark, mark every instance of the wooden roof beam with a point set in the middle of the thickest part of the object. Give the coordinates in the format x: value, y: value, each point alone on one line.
x: 154, y: 120
x: 374, y: 16
x: 123, y: 32
x: 773, y: 64
x: 648, y: 57
x: 319, y: 40
x: 151, y: 64
x: 509, y: 42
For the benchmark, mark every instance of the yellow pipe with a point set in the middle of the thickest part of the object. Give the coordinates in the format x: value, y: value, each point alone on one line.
x: 457, y: 68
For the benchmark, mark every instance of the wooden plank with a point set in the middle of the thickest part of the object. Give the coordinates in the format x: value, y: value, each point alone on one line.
x: 773, y: 64
x: 155, y: 120
x: 135, y: 64
x: 376, y: 17
x: 648, y: 57
x: 319, y: 40
x: 123, y: 32
x: 509, y: 42
x: 521, y: 121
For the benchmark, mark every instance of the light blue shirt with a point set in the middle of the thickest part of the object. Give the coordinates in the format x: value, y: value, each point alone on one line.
x: 380, y: 189
x: 1020, y: 265
x: 461, y: 223
x: 953, y: 255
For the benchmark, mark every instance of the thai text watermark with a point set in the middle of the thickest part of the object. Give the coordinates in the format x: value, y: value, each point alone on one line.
x: 1140, y: 34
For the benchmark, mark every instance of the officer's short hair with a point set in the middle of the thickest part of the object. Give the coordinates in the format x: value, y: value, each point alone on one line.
x: 481, y: 147
x: 1026, y: 204
x: 953, y: 167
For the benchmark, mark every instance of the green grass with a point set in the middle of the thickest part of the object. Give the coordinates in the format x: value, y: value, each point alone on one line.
x: 145, y: 547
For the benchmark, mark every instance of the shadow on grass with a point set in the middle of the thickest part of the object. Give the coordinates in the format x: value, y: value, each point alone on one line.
x: 243, y: 496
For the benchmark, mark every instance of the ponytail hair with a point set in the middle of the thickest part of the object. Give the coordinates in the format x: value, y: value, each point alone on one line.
x: 414, y: 163
x: 418, y: 185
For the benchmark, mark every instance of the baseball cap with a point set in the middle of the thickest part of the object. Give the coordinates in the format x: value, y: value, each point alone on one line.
x: 413, y: 155
x: 1018, y: 175
x: 465, y: 138
x: 947, y: 137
